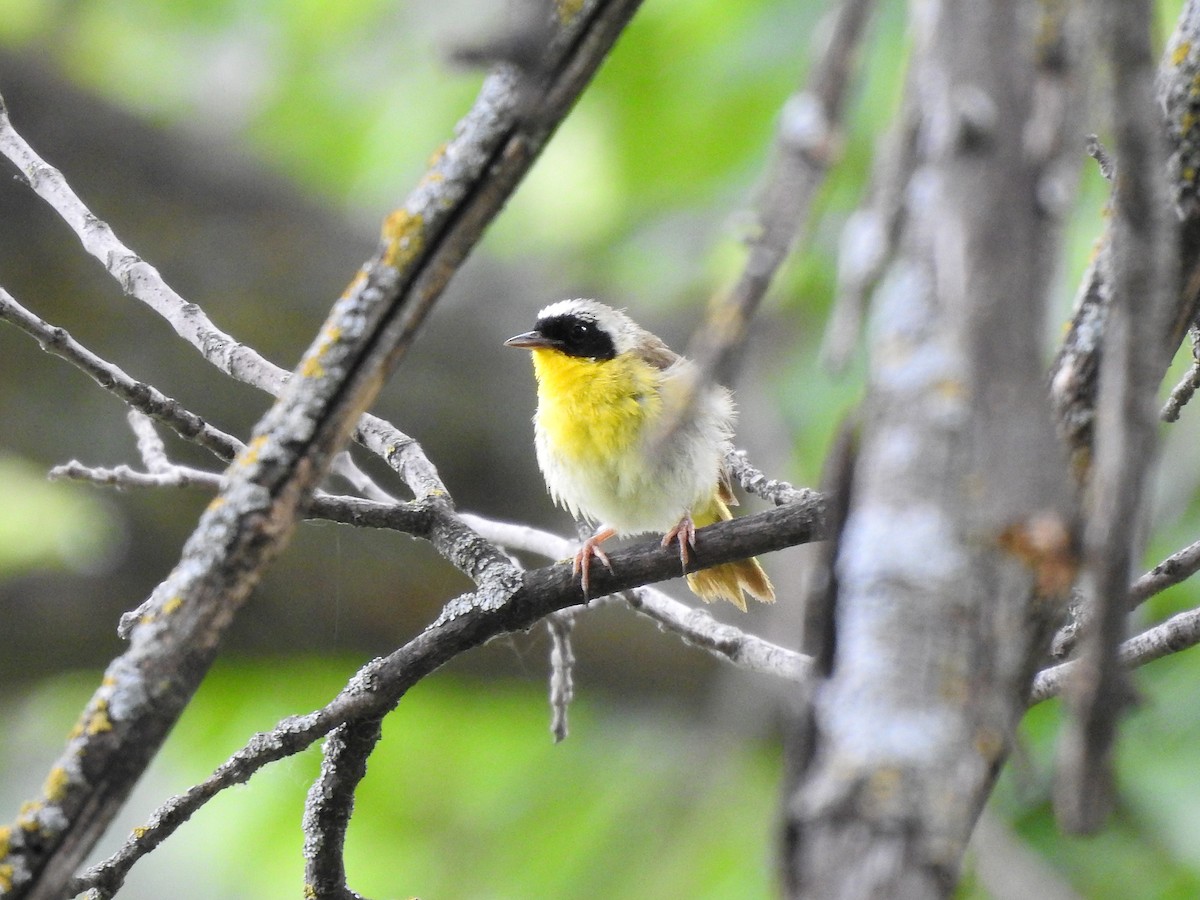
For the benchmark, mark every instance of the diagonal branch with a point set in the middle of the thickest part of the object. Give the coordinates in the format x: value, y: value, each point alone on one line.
x: 138, y: 395
x: 177, y: 632
x: 807, y: 144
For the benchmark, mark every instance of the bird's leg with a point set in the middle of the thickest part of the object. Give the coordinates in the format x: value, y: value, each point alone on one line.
x: 583, y: 559
x: 684, y: 532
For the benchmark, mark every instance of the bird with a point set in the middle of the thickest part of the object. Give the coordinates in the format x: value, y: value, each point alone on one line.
x: 604, y: 387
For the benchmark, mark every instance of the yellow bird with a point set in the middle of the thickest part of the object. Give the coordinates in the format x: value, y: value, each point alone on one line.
x: 604, y: 384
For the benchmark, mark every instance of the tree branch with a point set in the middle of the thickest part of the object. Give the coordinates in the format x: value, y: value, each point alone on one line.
x: 807, y: 144
x: 465, y: 624
x: 178, y: 630
x: 1177, y: 633
x: 1144, y: 269
x: 137, y: 394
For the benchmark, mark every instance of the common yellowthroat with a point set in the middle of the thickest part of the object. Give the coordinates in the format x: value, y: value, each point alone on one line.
x: 604, y: 384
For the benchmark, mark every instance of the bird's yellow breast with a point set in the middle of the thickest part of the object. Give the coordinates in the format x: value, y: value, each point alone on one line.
x: 592, y: 424
x: 594, y: 412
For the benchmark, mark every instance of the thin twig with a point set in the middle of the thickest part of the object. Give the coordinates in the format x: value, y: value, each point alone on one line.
x: 1178, y: 567
x: 143, y: 282
x: 1096, y: 151
x: 137, y: 394
x: 562, y: 667
x: 770, y: 489
x: 806, y: 145
x: 171, y: 476
x: 1177, y: 633
x: 1182, y: 392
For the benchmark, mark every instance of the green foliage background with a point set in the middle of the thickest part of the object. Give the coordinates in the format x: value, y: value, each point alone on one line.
x: 638, y: 195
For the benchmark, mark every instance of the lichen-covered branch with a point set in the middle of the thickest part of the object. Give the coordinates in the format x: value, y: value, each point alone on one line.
x: 175, y: 635
x: 1075, y: 372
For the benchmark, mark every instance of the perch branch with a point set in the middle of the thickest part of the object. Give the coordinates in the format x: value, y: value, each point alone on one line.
x: 463, y: 625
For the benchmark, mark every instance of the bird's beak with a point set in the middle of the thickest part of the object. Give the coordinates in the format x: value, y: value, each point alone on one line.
x: 530, y: 340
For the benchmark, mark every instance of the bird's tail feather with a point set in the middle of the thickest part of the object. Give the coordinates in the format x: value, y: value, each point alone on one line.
x: 728, y: 581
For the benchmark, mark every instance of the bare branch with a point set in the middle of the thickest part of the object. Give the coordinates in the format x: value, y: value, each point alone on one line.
x: 694, y: 626
x: 1177, y: 567
x: 806, y: 145
x: 1144, y: 270
x: 465, y: 624
x: 1177, y: 633
x: 1182, y: 392
x: 138, y: 395
x: 125, y: 477
x: 562, y: 667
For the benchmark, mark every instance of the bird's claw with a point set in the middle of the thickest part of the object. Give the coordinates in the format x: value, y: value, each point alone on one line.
x: 582, y: 563
x: 685, y: 533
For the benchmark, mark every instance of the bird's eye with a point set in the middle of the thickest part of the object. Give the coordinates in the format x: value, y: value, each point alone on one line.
x: 580, y: 331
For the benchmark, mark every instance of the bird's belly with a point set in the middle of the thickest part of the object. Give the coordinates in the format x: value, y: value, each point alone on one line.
x: 605, y: 475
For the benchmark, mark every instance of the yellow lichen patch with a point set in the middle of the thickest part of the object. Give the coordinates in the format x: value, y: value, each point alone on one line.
x: 55, y: 788
x: 5, y: 839
x: 568, y: 9
x: 311, y: 367
x: 98, y: 721
x: 216, y: 502
x: 310, y: 892
x: 354, y: 284
x: 1180, y: 53
x: 1187, y: 121
x: 402, y: 232
x: 250, y: 454
x: 432, y: 176
x: 140, y: 832
x: 883, y: 786
x: 950, y: 389
x: 990, y: 743
x: 436, y: 156
x: 6, y: 877
x: 173, y: 604
x: 27, y: 815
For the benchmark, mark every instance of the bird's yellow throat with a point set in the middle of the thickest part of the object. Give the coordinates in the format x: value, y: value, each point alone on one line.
x: 595, y: 410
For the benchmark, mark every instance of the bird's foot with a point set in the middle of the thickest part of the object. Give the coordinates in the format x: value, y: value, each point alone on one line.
x: 685, y: 533
x: 582, y: 563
